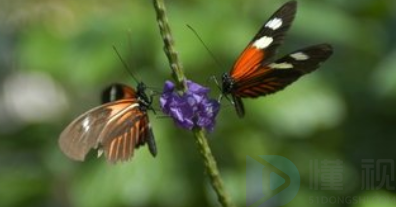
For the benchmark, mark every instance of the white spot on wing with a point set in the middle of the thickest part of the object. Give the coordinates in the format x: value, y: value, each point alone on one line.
x: 100, y: 152
x: 113, y: 93
x: 299, y: 56
x: 263, y: 42
x: 281, y: 65
x: 274, y: 23
x: 85, y: 124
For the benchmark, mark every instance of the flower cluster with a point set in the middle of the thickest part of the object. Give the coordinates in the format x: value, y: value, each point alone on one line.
x: 193, y: 108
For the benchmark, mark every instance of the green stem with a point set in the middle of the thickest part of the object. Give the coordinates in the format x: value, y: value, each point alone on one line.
x: 178, y: 76
x: 173, y: 58
x: 211, y: 167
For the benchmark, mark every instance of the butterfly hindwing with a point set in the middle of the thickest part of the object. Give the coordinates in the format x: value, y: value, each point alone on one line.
x: 123, y: 134
x: 270, y: 82
x: 276, y: 76
x: 262, y: 48
x: 304, y: 60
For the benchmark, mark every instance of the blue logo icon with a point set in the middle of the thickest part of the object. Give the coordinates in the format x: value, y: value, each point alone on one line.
x: 271, y: 180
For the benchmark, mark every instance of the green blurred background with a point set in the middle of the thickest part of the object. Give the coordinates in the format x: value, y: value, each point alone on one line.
x: 56, y: 57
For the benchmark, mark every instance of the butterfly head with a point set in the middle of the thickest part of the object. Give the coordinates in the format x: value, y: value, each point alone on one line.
x: 227, y: 83
x: 144, y: 99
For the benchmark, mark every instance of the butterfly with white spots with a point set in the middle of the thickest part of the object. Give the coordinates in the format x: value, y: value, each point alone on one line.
x: 255, y: 74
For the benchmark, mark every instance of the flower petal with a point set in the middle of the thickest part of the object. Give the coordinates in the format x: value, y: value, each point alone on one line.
x: 192, y: 108
x: 196, y: 88
x: 168, y: 87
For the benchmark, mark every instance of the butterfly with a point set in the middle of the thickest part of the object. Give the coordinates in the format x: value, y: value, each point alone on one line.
x: 116, y: 128
x: 255, y: 74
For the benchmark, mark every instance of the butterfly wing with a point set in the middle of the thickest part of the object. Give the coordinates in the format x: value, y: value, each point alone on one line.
x: 117, y: 128
x: 239, y: 107
x: 263, y: 47
x: 129, y: 130
x: 276, y: 76
x: 117, y: 91
x: 148, y: 135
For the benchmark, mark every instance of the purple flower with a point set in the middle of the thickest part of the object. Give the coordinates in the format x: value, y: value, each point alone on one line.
x: 193, y: 108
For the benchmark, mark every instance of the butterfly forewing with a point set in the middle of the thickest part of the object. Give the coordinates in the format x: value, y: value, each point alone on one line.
x: 116, y: 92
x: 87, y: 131
x: 116, y: 128
x: 262, y: 48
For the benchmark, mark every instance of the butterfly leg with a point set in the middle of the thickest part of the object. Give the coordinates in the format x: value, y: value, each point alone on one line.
x: 220, y: 98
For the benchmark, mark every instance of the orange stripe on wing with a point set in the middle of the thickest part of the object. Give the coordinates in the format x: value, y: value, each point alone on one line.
x: 111, y: 150
x: 132, y: 140
x: 119, y: 148
x: 247, y: 62
x: 124, y: 147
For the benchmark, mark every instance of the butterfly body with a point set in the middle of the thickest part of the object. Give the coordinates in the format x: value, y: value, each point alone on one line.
x: 116, y: 128
x: 255, y: 74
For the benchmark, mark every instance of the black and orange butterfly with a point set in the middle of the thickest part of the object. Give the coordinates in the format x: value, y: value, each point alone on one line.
x: 115, y: 128
x: 255, y: 74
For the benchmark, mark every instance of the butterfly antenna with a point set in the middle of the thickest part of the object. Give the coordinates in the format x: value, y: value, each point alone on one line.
x: 214, y: 79
x: 125, y: 65
x: 154, y: 89
x: 129, y: 36
x: 206, y: 47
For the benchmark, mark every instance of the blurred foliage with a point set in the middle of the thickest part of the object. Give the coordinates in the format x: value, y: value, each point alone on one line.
x: 56, y: 57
